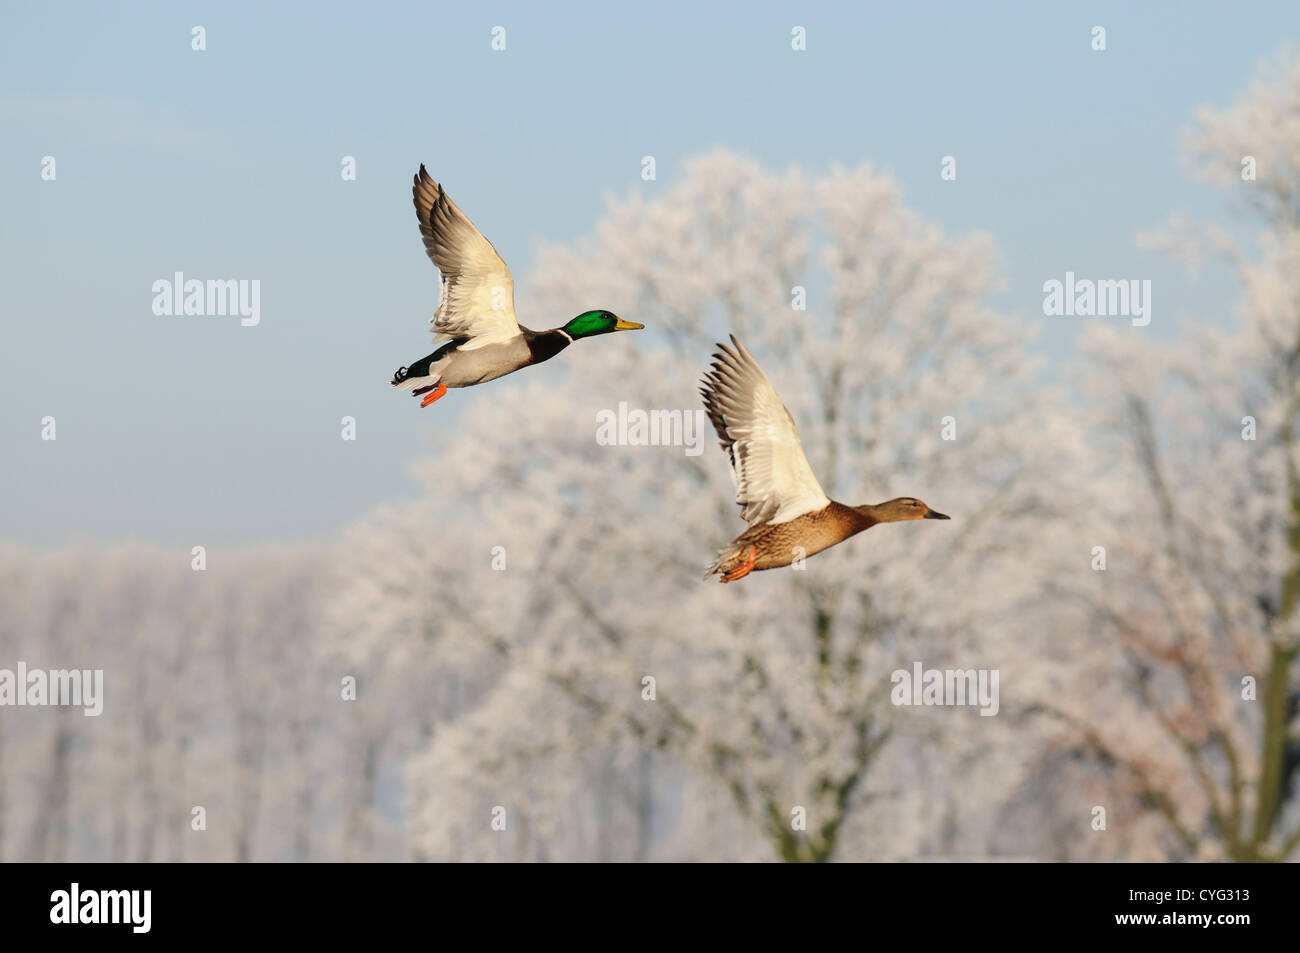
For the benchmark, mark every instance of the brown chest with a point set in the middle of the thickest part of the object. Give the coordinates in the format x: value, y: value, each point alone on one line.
x: 780, y: 544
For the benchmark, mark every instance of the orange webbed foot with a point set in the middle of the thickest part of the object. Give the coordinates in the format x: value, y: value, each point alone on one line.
x: 744, y: 569
x: 434, y: 395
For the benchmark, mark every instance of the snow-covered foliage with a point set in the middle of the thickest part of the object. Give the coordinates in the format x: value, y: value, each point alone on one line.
x: 1192, y: 630
x: 541, y: 674
x: 772, y: 694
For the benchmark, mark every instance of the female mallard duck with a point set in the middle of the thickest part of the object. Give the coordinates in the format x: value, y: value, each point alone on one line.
x: 787, y: 512
x: 477, y: 314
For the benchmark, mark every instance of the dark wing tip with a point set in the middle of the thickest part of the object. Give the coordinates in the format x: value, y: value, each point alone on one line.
x: 731, y: 354
x: 425, y: 194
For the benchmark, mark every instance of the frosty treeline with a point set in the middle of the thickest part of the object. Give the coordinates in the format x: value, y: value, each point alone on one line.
x: 540, y: 674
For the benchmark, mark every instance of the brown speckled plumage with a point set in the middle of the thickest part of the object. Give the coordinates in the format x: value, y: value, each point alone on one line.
x: 779, y: 544
x: 789, y: 515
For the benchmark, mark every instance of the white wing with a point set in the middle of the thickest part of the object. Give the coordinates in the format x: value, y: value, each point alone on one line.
x: 478, y: 294
x: 774, y: 482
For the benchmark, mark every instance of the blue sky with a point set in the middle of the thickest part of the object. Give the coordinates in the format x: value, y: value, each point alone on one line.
x: 225, y: 163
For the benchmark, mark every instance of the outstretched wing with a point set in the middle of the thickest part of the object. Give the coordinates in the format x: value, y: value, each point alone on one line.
x: 478, y: 294
x: 774, y: 483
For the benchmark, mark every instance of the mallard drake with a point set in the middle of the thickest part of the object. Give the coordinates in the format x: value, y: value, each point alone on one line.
x: 476, y: 317
x: 788, y: 513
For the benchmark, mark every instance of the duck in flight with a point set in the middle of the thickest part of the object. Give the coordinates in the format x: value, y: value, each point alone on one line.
x: 787, y: 512
x: 475, y: 322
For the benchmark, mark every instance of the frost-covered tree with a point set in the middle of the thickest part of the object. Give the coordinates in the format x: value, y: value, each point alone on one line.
x: 219, y: 691
x: 1193, y: 628
x: 616, y: 706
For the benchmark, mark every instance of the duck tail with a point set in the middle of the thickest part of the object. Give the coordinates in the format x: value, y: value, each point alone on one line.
x: 406, y: 378
x: 728, y: 555
x: 423, y: 371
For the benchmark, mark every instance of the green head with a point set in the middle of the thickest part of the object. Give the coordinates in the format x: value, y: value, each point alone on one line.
x: 598, y: 322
